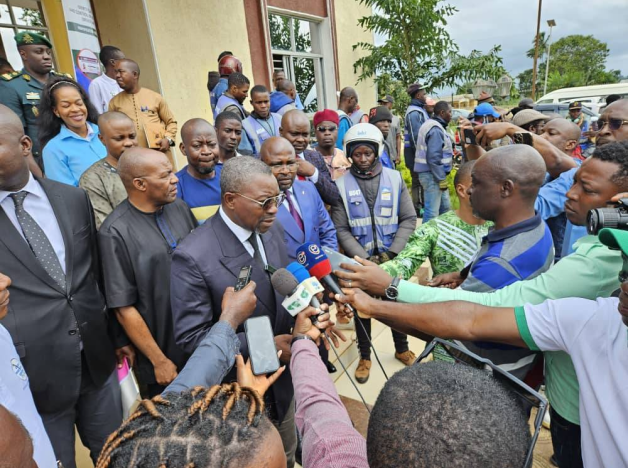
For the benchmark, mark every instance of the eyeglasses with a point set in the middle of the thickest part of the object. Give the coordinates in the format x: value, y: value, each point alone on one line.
x: 529, y: 396
x: 279, y: 167
x: 269, y: 203
x: 326, y: 129
x: 613, y: 124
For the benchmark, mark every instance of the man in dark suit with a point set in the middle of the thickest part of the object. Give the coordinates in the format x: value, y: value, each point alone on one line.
x: 58, y: 318
x: 302, y: 214
x: 242, y: 233
x: 295, y: 127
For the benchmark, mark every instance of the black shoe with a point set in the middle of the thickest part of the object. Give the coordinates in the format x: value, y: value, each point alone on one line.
x: 553, y: 460
x: 331, y: 368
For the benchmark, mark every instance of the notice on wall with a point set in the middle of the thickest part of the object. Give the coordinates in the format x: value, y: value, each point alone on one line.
x: 83, y: 37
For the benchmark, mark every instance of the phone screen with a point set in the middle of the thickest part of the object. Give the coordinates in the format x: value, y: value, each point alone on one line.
x: 261, y: 341
x: 336, y: 258
x: 469, y: 137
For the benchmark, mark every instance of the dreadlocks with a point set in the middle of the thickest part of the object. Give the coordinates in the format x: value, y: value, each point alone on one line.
x: 202, y: 428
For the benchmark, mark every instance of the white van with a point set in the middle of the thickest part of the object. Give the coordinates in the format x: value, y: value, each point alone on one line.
x: 590, y: 96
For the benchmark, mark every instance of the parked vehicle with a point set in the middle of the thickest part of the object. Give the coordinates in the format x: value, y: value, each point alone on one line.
x: 563, y: 111
x: 592, y: 97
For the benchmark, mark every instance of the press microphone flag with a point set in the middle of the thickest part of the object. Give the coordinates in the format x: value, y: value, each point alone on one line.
x: 297, y: 296
x: 309, y: 282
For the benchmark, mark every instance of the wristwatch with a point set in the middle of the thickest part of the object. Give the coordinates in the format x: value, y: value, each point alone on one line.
x: 300, y: 337
x: 171, y: 141
x: 392, y: 291
x: 520, y: 138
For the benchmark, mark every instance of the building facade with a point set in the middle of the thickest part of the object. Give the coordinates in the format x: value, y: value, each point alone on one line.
x: 176, y: 43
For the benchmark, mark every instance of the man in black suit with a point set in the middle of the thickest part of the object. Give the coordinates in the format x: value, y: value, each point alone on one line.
x: 242, y: 233
x: 58, y: 318
x: 295, y: 127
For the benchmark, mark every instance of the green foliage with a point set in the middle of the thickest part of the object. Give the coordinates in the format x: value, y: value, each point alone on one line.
x: 418, y: 47
x: 405, y: 173
x: 575, y: 60
x: 32, y: 17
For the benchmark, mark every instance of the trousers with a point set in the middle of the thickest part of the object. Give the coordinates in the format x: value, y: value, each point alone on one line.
x: 436, y: 200
x: 400, y: 339
x: 288, y: 431
x: 565, y: 441
x: 97, y: 412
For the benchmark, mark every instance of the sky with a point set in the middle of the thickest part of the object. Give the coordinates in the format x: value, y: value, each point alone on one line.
x: 512, y: 24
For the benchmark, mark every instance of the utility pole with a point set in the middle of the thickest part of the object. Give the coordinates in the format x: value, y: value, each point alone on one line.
x: 551, y: 23
x: 536, y: 50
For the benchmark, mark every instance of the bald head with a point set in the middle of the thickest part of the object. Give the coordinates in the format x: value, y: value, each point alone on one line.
x: 16, y: 148
x: 138, y: 163
x: 113, y: 117
x: 294, y: 118
x: 285, y: 86
x: 563, y: 134
x: 194, y: 127
x: 348, y: 100
x: 10, y: 122
x: 128, y: 64
x: 273, y: 146
x: 16, y: 445
x: 295, y: 127
x: 521, y: 164
x: 347, y: 93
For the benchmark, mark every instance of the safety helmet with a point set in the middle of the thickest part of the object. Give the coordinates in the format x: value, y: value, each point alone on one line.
x: 228, y: 65
x: 364, y: 132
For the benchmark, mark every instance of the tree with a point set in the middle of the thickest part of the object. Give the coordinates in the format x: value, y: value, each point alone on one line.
x: 418, y: 47
x: 575, y: 60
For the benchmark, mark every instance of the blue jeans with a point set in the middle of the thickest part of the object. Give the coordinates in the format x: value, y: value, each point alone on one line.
x: 436, y: 200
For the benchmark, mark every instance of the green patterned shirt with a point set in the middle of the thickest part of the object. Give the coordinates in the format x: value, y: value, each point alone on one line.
x: 447, y: 241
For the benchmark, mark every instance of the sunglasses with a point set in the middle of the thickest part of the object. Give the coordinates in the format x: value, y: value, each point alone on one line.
x: 326, y: 129
x: 613, y: 124
x: 269, y: 203
x: 459, y: 355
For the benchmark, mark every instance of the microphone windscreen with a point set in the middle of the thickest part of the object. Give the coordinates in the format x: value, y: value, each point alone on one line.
x: 310, y: 254
x: 321, y: 269
x: 284, y: 282
x: 298, y: 271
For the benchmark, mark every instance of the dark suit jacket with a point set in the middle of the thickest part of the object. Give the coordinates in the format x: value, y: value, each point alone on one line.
x: 206, y: 263
x: 48, y: 323
x: 317, y: 224
x: 326, y: 187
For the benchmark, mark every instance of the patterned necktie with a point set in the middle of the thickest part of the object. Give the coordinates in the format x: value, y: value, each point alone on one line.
x: 293, y: 211
x: 38, y: 241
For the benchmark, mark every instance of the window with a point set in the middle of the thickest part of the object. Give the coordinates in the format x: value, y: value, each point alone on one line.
x: 17, y: 16
x: 297, y: 51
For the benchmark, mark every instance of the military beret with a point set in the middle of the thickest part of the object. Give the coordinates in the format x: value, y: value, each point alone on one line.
x: 31, y: 38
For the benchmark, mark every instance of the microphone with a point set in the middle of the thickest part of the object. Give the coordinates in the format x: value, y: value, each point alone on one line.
x: 316, y: 262
x: 309, y: 282
x: 297, y: 296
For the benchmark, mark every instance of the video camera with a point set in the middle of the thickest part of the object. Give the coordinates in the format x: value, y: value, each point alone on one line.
x: 613, y: 218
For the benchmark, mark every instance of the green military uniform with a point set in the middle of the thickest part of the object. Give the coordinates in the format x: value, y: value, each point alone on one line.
x: 21, y: 93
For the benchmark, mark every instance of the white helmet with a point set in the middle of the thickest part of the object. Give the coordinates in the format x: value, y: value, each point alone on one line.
x: 364, y: 132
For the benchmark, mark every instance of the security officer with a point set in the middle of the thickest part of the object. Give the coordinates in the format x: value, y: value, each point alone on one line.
x: 21, y: 91
x: 374, y: 221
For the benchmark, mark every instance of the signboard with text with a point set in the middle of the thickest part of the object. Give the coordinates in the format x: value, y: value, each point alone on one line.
x: 83, y: 37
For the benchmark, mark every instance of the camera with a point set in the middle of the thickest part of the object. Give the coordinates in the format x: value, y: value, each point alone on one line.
x: 614, y: 218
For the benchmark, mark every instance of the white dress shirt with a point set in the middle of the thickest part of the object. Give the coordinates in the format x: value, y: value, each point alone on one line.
x: 38, y: 206
x: 243, y: 236
x: 314, y: 177
x: 295, y: 202
x: 15, y: 396
x: 101, y: 90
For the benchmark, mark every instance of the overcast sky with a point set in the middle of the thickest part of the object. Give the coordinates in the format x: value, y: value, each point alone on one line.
x: 512, y: 24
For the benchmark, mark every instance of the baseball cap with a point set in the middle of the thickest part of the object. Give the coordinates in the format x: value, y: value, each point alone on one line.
x: 387, y: 98
x: 377, y: 114
x: 526, y: 116
x: 526, y: 103
x: 485, y: 109
x: 414, y: 87
x: 615, y: 239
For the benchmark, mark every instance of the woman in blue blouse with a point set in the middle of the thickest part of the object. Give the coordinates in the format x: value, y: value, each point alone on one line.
x: 68, y: 131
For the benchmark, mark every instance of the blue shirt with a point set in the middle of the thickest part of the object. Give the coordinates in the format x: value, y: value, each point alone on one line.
x: 218, y: 91
x: 201, y: 195
x: 345, y: 124
x: 68, y: 155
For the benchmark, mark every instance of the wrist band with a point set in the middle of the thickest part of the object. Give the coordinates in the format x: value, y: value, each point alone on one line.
x: 301, y: 337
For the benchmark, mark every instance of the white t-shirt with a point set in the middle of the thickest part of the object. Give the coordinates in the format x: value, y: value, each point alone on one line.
x: 101, y: 90
x: 593, y: 333
x: 15, y: 396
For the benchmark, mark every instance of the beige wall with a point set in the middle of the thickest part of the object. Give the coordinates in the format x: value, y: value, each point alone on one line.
x: 122, y: 23
x: 348, y: 32
x: 188, y: 36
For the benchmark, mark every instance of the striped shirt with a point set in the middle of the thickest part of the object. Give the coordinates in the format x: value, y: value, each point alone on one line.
x: 448, y: 242
x: 519, y: 252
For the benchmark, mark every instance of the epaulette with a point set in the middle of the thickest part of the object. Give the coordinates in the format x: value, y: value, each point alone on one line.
x: 9, y: 76
x: 66, y: 75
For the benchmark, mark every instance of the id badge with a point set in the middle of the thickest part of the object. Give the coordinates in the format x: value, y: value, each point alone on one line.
x: 386, y: 211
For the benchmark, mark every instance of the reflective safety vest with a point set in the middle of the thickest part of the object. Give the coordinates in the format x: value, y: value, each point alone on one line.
x: 420, y: 160
x: 225, y: 101
x: 409, y: 140
x: 385, y: 213
x: 258, y: 133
